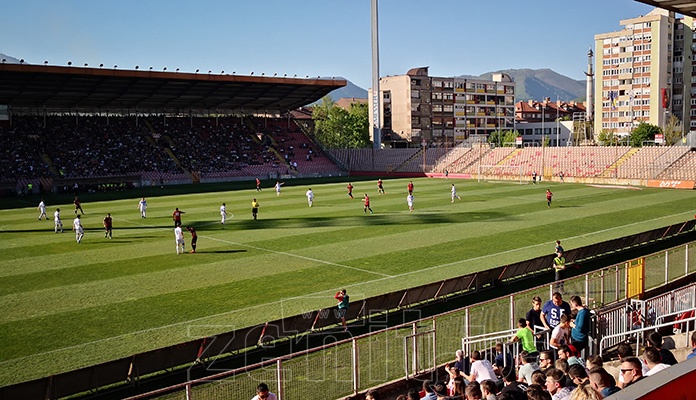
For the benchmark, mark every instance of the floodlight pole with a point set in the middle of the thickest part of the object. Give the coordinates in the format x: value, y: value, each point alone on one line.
x: 376, y: 131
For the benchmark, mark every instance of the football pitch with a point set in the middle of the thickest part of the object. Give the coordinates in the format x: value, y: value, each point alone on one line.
x: 65, y: 305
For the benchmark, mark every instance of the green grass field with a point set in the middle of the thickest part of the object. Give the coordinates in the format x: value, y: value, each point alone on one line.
x: 65, y: 305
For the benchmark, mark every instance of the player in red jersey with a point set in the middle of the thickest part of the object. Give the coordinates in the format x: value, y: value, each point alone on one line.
x: 366, y: 199
x: 77, y: 205
x: 549, y: 196
x: 194, y: 238
x: 108, y: 227
x: 380, y: 187
x: 350, y: 190
x: 176, y: 216
x: 258, y: 185
x: 410, y: 187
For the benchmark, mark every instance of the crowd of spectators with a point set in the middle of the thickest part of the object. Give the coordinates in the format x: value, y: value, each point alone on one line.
x: 553, y: 373
x: 84, y: 146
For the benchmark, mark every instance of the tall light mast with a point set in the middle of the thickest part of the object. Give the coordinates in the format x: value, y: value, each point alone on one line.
x: 590, y: 85
x: 376, y: 131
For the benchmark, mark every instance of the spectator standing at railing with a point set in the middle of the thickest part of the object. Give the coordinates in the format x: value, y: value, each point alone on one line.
x: 553, y: 309
x: 534, y: 319
x: 581, y: 326
x: 526, y: 337
x: 655, y: 340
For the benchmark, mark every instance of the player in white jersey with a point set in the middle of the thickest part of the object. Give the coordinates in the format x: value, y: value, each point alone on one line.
x: 57, y: 221
x: 223, y: 214
x: 409, y: 201
x: 142, y: 206
x: 310, y: 197
x: 277, y: 187
x: 179, y: 237
x: 454, y: 194
x: 42, y: 209
x: 79, y: 230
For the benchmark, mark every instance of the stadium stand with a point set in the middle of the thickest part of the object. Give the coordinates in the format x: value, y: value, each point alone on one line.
x: 682, y: 168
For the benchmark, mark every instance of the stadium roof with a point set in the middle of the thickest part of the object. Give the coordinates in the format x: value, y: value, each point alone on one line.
x: 684, y: 7
x: 56, y: 87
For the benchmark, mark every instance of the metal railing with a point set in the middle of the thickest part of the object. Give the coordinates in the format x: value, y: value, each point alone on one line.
x: 633, y: 335
x: 349, y: 366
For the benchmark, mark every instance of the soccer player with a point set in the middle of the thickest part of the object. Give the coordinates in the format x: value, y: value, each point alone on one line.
x: 79, y: 230
x: 310, y: 197
x: 380, y: 186
x: 108, y: 227
x: 42, y: 209
x: 78, y: 205
x: 410, y: 187
x: 58, y: 223
x: 194, y: 238
x: 258, y: 185
x: 142, y: 206
x: 559, y: 249
x: 277, y: 187
x: 409, y: 201
x: 549, y: 196
x: 343, y: 302
x: 179, y: 238
x: 254, y: 208
x: 223, y: 214
x: 176, y: 216
x: 366, y: 199
x: 350, y: 192
x: 454, y: 194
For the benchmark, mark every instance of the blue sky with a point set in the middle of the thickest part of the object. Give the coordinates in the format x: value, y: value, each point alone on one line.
x: 312, y: 37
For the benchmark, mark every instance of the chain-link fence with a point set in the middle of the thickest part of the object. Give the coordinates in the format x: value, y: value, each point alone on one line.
x: 345, y: 367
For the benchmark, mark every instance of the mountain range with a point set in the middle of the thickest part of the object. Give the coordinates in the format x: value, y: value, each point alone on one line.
x: 535, y: 84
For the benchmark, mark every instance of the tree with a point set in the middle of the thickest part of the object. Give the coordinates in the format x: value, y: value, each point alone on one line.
x: 674, y: 130
x: 336, y: 127
x: 607, y: 138
x: 506, y: 136
x: 643, y: 132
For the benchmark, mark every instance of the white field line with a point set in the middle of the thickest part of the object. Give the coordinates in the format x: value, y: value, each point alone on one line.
x: 183, y: 323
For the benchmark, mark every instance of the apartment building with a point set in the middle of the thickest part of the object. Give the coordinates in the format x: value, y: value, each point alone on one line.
x: 417, y: 108
x: 684, y: 69
x: 634, y: 73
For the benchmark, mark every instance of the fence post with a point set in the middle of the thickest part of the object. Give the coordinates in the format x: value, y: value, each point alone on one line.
x: 601, y: 287
x: 356, y: 383
x: 512, y: 312
x: 587, y: 289
x: 279, y: 375
x: 434, y: 364
x: 415, y: 348
x: 467, y: 328
x: 188, y: 392
x: 616, y: 297
x: 666, y: 267
x: 686, y: 259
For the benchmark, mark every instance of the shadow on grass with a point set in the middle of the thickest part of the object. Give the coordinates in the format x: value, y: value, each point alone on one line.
x: 220, y: 251
x: 370, y: 220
